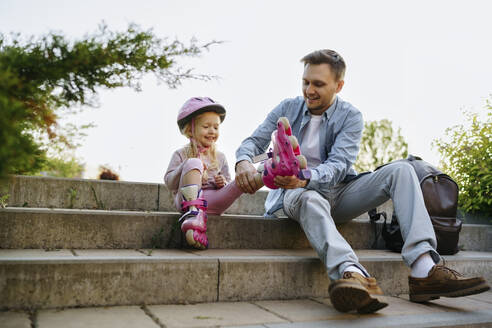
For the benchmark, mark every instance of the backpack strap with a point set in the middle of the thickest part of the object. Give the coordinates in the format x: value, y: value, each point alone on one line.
x: 373, y: 217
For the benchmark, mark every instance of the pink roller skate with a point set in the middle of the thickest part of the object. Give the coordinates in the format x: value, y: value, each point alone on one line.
x: 286, y: 158
x: 194, y: 220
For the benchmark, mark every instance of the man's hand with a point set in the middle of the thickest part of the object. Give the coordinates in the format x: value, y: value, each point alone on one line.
x: 220, y: 181
x: 245, y: 177
x: 289, y: 182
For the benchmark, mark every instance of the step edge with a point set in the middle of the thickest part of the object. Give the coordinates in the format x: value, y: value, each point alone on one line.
x: 82, y: 211
x: 186, y: 256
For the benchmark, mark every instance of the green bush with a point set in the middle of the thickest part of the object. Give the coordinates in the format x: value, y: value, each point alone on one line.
x: 380, y: 144
x: 466, y: 155
x: 68, y: 167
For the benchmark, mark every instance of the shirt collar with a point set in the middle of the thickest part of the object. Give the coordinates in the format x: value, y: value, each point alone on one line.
x: 326, y: 114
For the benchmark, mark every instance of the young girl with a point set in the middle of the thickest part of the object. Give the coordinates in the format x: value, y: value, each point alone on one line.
x: 198, y: 174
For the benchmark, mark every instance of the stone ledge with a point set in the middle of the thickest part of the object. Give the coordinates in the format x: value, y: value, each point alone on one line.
x: 76, y: 228
x: 30, y: 278
x: 48, y: 192
x: 29, y: 191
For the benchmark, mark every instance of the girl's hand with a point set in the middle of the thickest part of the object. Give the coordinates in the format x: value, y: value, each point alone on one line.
x: 220, y: 181
x: 204, y: 174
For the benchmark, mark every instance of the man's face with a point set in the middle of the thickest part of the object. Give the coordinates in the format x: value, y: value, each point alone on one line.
x: 319, y: 87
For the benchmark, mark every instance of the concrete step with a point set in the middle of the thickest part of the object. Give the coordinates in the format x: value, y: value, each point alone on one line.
x: 470, y: 311
x: 68, y: 278
x: 65, y: 228
x: 47, y: 192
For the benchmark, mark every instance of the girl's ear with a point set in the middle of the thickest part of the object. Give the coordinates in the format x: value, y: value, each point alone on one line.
x: 187, y: 130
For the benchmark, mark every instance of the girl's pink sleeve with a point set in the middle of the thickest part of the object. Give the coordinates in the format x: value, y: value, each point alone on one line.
x: 224, y: 169
x: 173, y: 173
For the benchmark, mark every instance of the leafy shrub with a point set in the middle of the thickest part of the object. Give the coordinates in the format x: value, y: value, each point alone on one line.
x: 380, y: 144
x: 466, y: 155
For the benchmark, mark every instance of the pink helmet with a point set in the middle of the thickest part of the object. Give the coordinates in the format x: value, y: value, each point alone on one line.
x: 197, y: 105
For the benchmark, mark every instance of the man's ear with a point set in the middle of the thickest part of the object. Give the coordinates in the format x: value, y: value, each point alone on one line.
x: 340, y: 85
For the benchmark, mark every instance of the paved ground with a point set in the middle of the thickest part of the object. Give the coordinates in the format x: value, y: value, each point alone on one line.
x: 471, y: 311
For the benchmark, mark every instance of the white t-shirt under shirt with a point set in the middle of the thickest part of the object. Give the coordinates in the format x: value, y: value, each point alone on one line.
x: 310, y: 141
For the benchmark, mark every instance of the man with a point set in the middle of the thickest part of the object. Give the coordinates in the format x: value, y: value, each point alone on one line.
x: 329, y: 130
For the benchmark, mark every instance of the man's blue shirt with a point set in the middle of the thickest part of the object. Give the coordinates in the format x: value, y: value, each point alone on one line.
x: 340, y: 135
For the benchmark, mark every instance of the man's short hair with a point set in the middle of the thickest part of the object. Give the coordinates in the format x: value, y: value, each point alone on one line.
x: 327, y: 56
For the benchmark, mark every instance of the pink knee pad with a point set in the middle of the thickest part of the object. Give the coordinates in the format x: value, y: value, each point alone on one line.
x: 192, y: 164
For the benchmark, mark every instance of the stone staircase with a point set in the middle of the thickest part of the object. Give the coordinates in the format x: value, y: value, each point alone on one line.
x: 85, y: 243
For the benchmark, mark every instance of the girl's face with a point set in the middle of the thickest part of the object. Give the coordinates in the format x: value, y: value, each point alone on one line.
x: 207, y: 128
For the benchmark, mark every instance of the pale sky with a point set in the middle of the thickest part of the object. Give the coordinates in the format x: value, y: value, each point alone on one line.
x: 416, y: 63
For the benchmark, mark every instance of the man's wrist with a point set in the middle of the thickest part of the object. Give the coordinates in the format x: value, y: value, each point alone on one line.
x: 239, y: 162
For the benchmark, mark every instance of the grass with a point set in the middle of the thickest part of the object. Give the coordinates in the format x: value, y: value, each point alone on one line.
x: 72, y: 193
x: 4, y: 201
x: 99, y: 203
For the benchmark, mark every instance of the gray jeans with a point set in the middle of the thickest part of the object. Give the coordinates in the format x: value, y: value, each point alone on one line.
x: 317, y: 213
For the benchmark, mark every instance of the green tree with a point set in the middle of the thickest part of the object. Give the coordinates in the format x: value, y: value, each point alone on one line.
x: 466, y: 155
x: 61, y: 160
x: 380, y: 144
x: 63, y: 167
x: 42, y: 79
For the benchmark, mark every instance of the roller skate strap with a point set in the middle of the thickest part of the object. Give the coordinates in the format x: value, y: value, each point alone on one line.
x: 199, y: 203
x: 304, y: 174
x: 262, y: 157
x: 187, y: 214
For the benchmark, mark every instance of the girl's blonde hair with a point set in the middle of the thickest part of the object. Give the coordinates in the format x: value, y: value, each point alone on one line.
x: 192, y: 151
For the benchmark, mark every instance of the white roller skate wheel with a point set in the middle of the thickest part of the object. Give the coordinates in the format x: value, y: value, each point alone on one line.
x: 293, y: 142
x: 285, y: 122
x: 189, y: 238
x: 261, y: 168
x: 302, y: 161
